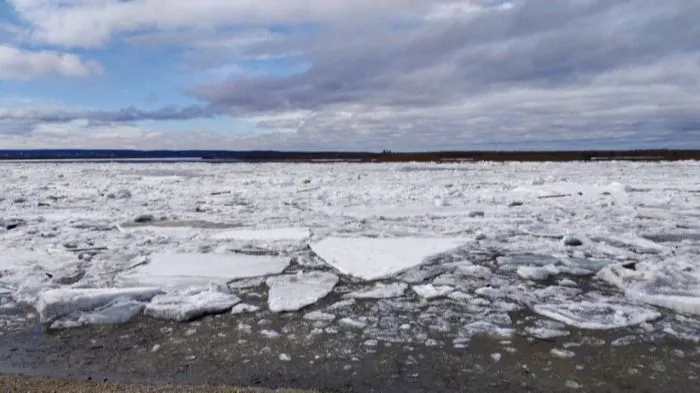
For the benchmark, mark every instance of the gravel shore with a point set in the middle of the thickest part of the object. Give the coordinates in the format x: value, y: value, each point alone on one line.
x: 20, y: 383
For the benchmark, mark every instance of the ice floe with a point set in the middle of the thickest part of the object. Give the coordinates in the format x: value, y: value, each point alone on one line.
x: 380, y: 291
x: 596, y: 315
x: 182, y: 270
x: 372, y: 258
x: 276, y: 234
x: 430, y: 291
x: 56, y: 303
x: 191, y: 304
x: 295, y: 291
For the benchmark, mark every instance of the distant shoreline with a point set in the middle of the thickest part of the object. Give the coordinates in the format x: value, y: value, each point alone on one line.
x: 321, y: 157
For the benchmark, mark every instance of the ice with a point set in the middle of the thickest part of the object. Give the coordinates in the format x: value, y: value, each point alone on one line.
x: 380, y: 291
x: 562, y: 353
x: 294, y: 292
x: 182, y: 270
x: 528, y: 259
x: 191, y: 304
x: 676, y: 295
x: 276, y: 234
x: 430, y: 291
x: 596, y: 315
x: 56, y: 303
x: 242, y: 308
x: 376, y: 258
x: 319, y: 316
x: 537, y: 273
x: 352, y: 323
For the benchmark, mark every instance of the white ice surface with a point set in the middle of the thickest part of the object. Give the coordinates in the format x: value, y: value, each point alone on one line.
x: 295, y: 291
x: 380, y: 291
x: 596, y: 315
x: 430, y: 291
x: 638, y: 222
x: 56, y: 303
x: 191, y: 304
x: 182, y: 270
x: 372, y: 259
x: 276, y: 234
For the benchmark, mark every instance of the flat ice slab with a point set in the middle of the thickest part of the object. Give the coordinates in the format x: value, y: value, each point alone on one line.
x: 56, y: 303
x: 296, y: 291
x: 182, y: 270
x: 276, y: 234
x: 372, y: 259
x: 380, y: 291
x: 188, y: 306
x: 596, y: 315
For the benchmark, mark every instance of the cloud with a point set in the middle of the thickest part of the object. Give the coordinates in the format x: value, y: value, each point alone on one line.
x: 92, y: 23
x: 16, y: 63
x: 403, y: 75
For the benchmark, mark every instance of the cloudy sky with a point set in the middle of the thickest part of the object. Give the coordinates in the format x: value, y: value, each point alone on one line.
x: 350, y: 74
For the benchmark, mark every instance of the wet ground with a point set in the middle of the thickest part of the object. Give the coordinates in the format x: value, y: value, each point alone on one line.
x: 241, y: 350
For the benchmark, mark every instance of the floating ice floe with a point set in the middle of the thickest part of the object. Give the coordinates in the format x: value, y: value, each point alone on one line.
x: 56, y: 303
x: 183, y: 270
x: 596, y: 315
x: 191, y: 304
x: 430, y: 291
x: 679, y: 295
x: 380, y: 291
x: 242, y: 308
x: 372, y: 258
x: 296, y: 291
x: 277, y: 234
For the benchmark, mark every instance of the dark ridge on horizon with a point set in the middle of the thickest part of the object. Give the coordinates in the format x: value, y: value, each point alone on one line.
x: 385, y: 156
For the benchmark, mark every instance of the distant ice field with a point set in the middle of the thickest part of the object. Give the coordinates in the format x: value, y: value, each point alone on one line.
x: 396, y: 251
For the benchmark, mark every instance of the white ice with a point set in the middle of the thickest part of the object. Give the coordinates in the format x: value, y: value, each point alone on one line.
x: 380, y: 291
x: 56, y: 303
x: 372, y: 258
x: 191, y: 304
x: 430, y: 291
x: 182, y: 270
x: 596, y: 315
x: 275, y: 234
x: 295, y: 291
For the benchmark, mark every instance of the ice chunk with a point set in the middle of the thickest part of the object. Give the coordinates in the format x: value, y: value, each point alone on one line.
x: 380, y: 291
x: 592, y: 265
x: 596, y: 315
x: 242, y: 308
x: 118, y: 311
x: 537, y: 273
x: 372, y: 258
x: 182, y: 270
x: 319, y: 316
x: 294, y: 292
x: 528, y: 259
x: 430, y: 291
x: 474, y: 271
x: 56, y: 303
x: 277, y: 234
x: 681, y: 294
x: 562, y: 353
x: 352, y: 323
x: 190, y: 305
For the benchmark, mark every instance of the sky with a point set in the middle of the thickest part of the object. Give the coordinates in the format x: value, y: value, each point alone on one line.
x: 351, y: 75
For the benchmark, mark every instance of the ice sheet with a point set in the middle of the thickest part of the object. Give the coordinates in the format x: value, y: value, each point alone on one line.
x: 276, y: 234
x: 182, y: 270
x: 56, y: 303
x: 295, y: 291
x: 372, y: 258
x: 596, y: 315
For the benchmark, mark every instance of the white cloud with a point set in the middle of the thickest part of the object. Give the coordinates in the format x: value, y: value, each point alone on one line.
x: 93, y: 22
x: 16, y: 63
